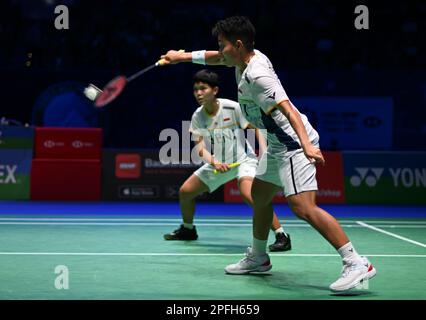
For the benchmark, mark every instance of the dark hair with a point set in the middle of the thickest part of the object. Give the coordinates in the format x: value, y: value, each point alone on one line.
x: 207, y: 76
x: 236, y: 28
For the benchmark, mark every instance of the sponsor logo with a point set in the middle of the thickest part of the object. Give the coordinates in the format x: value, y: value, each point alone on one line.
x: 77, y: 144
x: 401, y: 177
x: 7, y: 174
x: 127, y: 166
x: 151, y: 163
x: 171, y: 192
x: 139, y: 192
x: 329, y: 193
x: 272, y: 96
x: 368, y: 175
x: 52, y: 144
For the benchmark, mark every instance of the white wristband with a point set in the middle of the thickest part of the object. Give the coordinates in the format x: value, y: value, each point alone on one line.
x: 199, y: 57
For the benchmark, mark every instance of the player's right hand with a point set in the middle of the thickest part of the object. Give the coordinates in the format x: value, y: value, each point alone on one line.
x: 173, y: 57
x: 314, y: 154
x: 221, y: 167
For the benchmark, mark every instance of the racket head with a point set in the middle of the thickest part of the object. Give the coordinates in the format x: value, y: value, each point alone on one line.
x: 111, y: 91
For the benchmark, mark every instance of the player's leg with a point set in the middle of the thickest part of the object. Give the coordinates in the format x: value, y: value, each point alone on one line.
x: 303, y: 205
x: 189, y: 190
x: 256, y: 259
x: 300, y: 191
x: 282, y: 239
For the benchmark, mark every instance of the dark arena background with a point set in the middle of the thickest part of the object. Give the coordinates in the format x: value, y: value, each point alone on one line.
x: 85, y: 200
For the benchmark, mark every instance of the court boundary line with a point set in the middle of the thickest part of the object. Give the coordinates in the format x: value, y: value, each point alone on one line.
x: 290, y: 221
x: 165, y: 254
x: 143, y: 224
x: 391, y: 234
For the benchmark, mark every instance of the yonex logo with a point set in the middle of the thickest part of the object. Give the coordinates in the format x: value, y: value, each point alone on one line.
x: 401, y: 177
x: 9, y: 172
x: 370, y: 175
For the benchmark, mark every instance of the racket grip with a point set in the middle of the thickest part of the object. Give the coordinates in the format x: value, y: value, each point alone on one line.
x: 232, y: 165
x: 161, y: 62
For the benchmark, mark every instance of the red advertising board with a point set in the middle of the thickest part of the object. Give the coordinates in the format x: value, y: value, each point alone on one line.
x: 330, y: 183
x: 68, y: 143
x: 66, y: 180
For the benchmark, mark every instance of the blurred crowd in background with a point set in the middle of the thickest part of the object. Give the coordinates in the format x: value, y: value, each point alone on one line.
x: 313, y: 45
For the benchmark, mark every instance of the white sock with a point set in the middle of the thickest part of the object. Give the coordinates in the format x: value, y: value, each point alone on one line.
x: 348, y: 252
x: 259, y: 246
x: 188, y: 225
x: 280, y: 230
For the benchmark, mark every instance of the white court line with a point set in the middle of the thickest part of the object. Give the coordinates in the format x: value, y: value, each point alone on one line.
x: 196, y: 254
x: 22, y: 223
x: 391, y: 234
x: 395, y: 221
x: 290, y: 221
x: 132, y: 224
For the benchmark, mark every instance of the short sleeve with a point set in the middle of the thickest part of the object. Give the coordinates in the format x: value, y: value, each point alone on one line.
x: 195, y: 127
x: 267, y: 92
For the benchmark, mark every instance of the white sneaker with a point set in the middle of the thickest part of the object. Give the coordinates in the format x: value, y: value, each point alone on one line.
x: 251, y: 263
x: 353, y: 273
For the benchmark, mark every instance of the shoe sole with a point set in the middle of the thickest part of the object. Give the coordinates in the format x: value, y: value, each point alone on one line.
x: 369, y: 275
x: 258, y: 270
x: 176, y: 239
x: 286, y: 248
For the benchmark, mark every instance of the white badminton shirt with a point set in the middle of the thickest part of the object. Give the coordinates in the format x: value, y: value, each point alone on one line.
x: 259, y: 90
x: 223, y: 133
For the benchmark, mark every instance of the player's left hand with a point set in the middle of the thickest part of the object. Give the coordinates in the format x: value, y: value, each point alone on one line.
x: 314, y: 154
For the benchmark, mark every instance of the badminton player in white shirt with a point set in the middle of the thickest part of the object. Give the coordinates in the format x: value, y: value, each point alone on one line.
x: 217, y: 126
x: 293, y: 151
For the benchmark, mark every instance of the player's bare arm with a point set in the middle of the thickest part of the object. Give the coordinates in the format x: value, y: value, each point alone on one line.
x: 208, y: 157
x: 174, y: 57
x: 311, y: 152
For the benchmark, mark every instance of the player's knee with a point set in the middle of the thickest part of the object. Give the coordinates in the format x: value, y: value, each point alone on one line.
x: 303, y: 212
x: 185, y: 193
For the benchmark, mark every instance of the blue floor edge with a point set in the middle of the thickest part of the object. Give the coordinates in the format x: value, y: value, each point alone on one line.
x: 203, y: 209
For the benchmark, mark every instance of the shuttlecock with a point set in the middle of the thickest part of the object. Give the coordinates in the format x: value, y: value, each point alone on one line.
x: 91, y: 92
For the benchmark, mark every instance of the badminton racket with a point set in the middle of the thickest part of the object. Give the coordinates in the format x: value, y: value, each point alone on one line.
x: 232, y: 165
x: 114, y: 88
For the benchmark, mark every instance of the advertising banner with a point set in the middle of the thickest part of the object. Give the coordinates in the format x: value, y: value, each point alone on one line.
x: 68, y: 143
x: 15, y: 170
x: 329, y: 178
x: 385, y: 177
x: 15, y: 137
x: 139, y: 175
x: 350, y: 123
